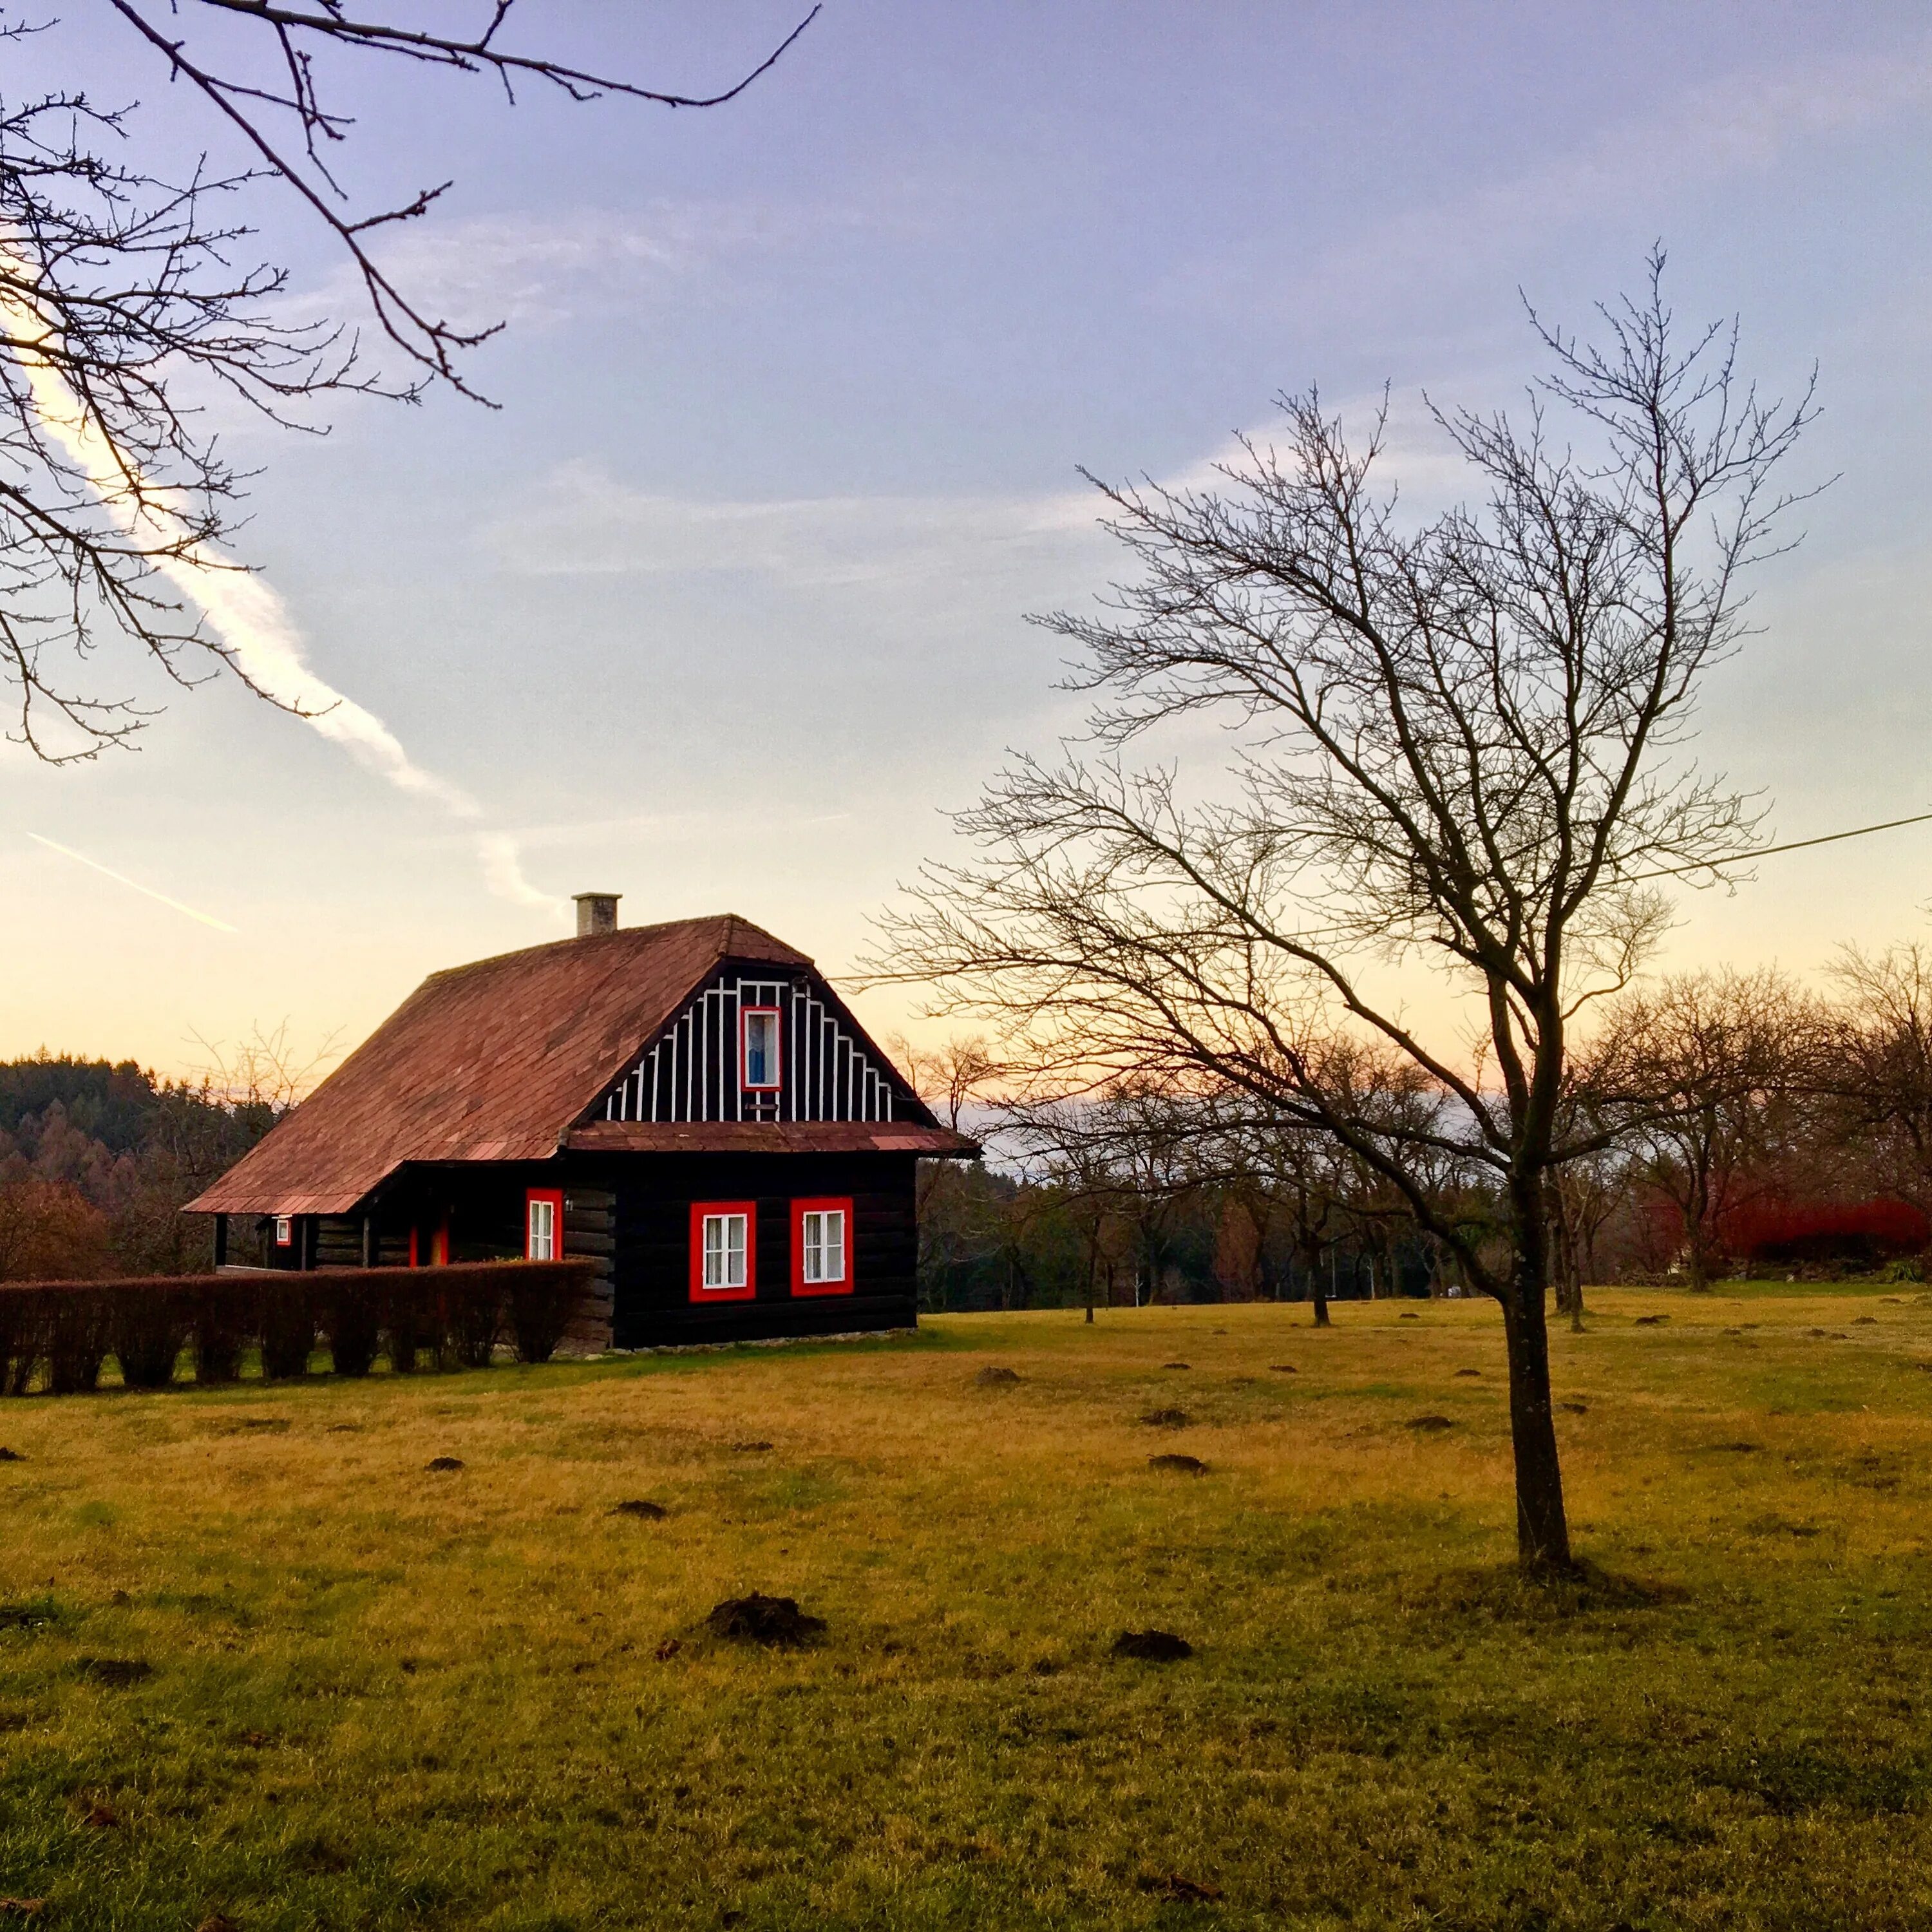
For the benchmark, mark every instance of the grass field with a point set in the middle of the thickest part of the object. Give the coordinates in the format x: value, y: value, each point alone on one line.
x: 257, y: 1661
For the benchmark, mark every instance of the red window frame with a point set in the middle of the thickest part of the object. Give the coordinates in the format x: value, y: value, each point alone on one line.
x: 827, y: 1205
x: 554, y: 1195
x: 438, y: 1240
x: 749, y: 1289
x: 285, y: 1230
x: 777, y: 1080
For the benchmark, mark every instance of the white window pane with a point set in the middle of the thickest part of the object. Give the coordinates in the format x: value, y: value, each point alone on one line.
x: 761, y: 1049
x: 835, y: 1247
x: 735, y: 1269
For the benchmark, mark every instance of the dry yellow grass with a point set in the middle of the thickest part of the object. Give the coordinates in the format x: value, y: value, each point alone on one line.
x: 379, y: 1696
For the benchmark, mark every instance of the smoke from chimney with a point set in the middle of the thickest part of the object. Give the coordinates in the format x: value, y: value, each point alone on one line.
x: 596, y: 912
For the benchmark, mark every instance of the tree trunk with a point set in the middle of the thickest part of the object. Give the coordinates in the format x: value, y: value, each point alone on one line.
x: 1699, y: 1264
x: 1316, y: 1291
x: 1542, y: 1528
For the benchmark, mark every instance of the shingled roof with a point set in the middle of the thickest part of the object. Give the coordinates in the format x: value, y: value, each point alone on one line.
x: 493, y: 1061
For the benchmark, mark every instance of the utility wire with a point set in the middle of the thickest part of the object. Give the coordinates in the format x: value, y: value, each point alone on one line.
x: 1796, y: 845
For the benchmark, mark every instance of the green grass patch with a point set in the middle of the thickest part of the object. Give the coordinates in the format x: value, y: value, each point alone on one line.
x: 256, y: 1659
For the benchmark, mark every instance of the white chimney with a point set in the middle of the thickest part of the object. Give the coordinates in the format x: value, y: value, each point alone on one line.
x: 596, y: 912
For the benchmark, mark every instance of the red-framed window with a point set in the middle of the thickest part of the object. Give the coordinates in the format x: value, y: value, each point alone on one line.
x: 285, y: 1230
x: 821, y: 1247
x: 543, y: 1225
x: 759, y: 1070
x: 723, y: 1250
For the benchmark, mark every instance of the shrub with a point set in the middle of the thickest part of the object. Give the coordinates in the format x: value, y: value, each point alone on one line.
x: 224, y: 1325
x: 543, y: 1303
x: 21, y: 1337
x: 79, y: 1320
x: 410, y: 1322
x: 149, y: 1327
x: 72, y: 1327
x: 355, y: 1330
x: 288, y: 1323
x: 473, y: 1319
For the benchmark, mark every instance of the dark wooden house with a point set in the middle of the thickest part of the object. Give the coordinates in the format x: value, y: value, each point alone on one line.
x: 691, y: 1104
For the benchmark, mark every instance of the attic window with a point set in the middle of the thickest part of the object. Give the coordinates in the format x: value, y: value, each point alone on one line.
x: 724, y: 1258
x: 758, y: 1059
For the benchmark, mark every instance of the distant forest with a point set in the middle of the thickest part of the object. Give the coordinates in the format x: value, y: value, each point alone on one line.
x: 96, y: 1160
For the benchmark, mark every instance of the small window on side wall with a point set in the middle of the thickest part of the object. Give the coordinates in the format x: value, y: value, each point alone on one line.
x: 543, y: 1225
x: 285, y: 1230
x: 758, y: 1049
x: 821, y: 1247
x: 723, y: 1250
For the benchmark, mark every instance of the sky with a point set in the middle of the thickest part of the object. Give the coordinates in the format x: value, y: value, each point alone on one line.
x: 725, y: 606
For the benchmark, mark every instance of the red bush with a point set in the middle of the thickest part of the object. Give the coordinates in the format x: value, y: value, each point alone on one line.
x: 1786, y: 1230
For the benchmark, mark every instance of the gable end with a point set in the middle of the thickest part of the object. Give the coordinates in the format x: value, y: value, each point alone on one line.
x: 828, y: 1070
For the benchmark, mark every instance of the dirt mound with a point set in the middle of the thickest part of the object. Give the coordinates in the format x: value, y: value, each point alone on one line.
x: 1574, y: 1408
x: 995, y: 1378
x: 1185, y: 1465
x: 11, y: 1456
x: 118, y: 1673
x: 1429, y: 1425
x: 443, y: 1465
x: 1406, y: 1316
x: 650, y: 1512
x: 1468, y: 1372
x: 1650, y: 1321
x: 751, y: 1448
x: 1167, y: 1418
x: 762, y: 1619
x: 1172, y: 1885
x: 1176, y: 1365
x: 1152, y: 1646
x: 1283, y: 1368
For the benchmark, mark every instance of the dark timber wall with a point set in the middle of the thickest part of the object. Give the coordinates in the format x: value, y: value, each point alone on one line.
x: 651, y: 1273
x: 631, y: 1214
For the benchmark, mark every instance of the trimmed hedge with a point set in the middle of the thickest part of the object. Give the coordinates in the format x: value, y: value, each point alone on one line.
x: 58, y: 1335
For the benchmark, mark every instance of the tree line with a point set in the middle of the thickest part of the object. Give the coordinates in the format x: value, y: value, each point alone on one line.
x: 97, y: 1158
x: 1743, y: 1123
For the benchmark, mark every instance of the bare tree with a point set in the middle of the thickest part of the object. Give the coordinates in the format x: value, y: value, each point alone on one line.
x: 1711, y: 1070
x: 948, y: 1078
x: 126, y: 299
x: 1455, y: 739
x: 1875, y: 1062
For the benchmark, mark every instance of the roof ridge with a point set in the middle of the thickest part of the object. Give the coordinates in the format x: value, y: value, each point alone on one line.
x: 622, y: 933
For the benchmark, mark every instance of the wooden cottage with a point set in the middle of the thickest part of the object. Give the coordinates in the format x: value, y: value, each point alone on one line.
x: 691, y: 1104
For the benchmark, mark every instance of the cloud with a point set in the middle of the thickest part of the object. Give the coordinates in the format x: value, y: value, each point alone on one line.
x: 253, y: 623
x: 586, y: 523
x: 540, y: 272
x: 1745, y: 123
x: 132, y: 885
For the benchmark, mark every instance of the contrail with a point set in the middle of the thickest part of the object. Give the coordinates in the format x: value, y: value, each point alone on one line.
x: 133, y: 885
x: 252, y: 620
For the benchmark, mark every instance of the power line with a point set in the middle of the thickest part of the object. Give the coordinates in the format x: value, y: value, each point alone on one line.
x: 1796, y: 845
